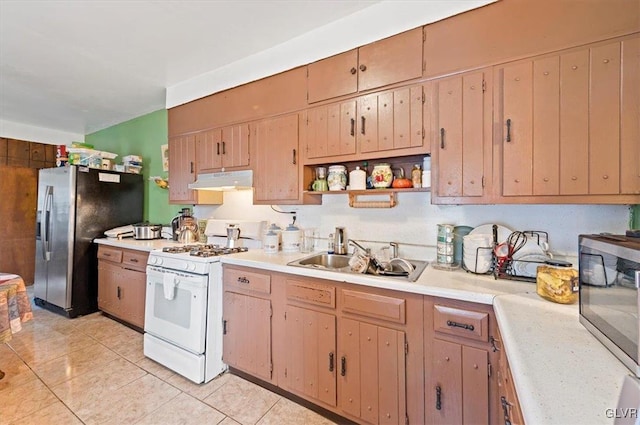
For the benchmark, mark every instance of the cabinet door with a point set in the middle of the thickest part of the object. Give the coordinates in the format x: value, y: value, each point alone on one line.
x: 209, y: 149
x: 311, y: 362
x: 277, y: 173
x: 331, y: 130
x: 604, y: 120
x: 574, y: 123
x: 182, y: 169
x: 367, y: 124
x: 445, y: 402
x: 459, y: 148
x: 475, y: 385
x: 18, y: 152
x: 517, y: 140
x: 247, y: 334
x: 108, y: 280
x: 394, y: 59
x: 546, y: 126
x: 372, y: 372
x: 235, y: 146
x: 132, y: 291
x: 629, y: 122
x: 333, y: 77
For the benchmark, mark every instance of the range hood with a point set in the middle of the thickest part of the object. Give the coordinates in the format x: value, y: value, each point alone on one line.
x: 223, y: 181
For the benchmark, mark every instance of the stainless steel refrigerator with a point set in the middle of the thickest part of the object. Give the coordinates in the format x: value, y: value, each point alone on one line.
x: 75, y: 206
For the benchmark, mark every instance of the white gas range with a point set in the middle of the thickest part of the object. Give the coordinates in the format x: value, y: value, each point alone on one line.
x: 183, y: 306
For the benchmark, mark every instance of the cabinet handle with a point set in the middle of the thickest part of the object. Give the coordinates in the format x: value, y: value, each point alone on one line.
x: 438, y: 398
x: 494, y: 347
x: 106, y: 255
x: 224, y: 327
x: 505, y: 408
x: 363, y: 68
x: 343, y: 366
x: 191, y: 165
x: 508, y: 129
x: 224, y: 148
x: 442, y: 138
x: 294, y: 157
x: 133, y: 260
x: 118, y: 292
x: 353, y: 127
x: 331, y: 362
x: 243, y: 279
x: 460, y: 325
x: 362, y: 120
x: 353, y: 71
x: 218, y: 148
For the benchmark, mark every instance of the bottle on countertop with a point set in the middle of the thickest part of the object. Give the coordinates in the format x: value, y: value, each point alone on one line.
x: 331, y: 245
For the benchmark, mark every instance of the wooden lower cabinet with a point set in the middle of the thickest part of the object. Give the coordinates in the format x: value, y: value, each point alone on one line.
x: 509, y: 411
x: 247, y: 334
x: 372, y: 367
x: 460, y: 380
x: 122, y: 283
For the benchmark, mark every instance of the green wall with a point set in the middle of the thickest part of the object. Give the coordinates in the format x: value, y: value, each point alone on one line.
x: 634, y: 220
x: 142, y: 136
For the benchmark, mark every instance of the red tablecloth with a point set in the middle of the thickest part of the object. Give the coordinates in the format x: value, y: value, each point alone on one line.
x: 15, y: 307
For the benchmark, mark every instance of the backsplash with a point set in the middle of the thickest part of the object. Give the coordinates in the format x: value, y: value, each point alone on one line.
x: 413, y: 222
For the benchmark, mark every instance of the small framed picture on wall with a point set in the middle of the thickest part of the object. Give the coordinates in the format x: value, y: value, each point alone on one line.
x: 165, y: 157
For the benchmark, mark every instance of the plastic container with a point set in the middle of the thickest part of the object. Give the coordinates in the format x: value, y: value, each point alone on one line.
x: 557, y: 281
x: 357, y: 179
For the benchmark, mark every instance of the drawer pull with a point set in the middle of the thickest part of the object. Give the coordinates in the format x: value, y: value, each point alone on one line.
x: 505, y: 408
x: 134, y: 260
x: 438, y: 398
x: 243, y: 279
x: 106, y: 255
x: 460, y: 325
x: 343, y: 366
x: 330, y: 362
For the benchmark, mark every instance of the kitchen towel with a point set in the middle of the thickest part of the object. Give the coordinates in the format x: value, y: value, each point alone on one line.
x: 169, y: 283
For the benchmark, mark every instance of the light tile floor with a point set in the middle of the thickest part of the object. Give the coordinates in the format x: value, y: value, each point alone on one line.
x: 91, y: 370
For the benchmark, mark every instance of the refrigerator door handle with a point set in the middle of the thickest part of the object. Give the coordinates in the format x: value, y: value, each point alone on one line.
x: 45, y: 223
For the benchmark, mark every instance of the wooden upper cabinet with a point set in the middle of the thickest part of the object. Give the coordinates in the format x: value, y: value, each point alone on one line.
x: 224, y: 148
x: 182, y: 169
x: 569, y: 124
x: 331, y: 130
x: 333, y: 77
x: 604, y: 120
x: 462, y: 134
x: 508, y: 30
x: 629, y: 122
x: 392, y: 60
x: 276, y: 176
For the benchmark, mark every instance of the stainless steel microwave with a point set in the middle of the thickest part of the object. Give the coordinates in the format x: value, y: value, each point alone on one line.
x: 609, y: 273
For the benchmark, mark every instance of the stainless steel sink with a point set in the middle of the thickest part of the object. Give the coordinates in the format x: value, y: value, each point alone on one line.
x: 340, y: 263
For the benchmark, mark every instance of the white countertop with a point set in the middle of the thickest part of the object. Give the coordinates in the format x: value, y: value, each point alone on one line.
x: 140, y: 245
x: 562, y: 374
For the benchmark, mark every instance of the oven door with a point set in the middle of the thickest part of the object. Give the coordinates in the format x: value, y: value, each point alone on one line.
x: 176, y: 308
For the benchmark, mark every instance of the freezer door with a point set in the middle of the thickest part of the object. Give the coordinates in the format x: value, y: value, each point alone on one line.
x: 53, y: 237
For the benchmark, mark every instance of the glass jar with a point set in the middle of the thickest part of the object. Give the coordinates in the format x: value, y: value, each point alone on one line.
x: 381, y: 176
x: 556, y: 281
x: 337, y: 178
x: 416, y: 176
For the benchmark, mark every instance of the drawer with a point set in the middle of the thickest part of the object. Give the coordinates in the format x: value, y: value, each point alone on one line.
x: 311, y: 293
x: 247, y: 280
x: 135, y: 259
x: 109, y: 254
x: 371, y: 305
x: 465, y: 323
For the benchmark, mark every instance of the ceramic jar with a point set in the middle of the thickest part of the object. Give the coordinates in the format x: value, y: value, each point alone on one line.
x: 337, y: 178
x: 381, y: 176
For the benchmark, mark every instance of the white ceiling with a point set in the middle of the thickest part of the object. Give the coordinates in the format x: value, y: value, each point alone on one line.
x: 79, y: 66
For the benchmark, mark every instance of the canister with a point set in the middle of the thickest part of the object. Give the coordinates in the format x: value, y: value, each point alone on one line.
x: 557, y: 281
x: 291, y: 239
x: 357, y: 179
x: 337, y: 178
x: 445, y: 244
x: 382, y: 176
x: 271, y: 242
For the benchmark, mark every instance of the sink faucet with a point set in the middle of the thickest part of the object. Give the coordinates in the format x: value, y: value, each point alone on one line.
x: 394, y: 252
x: 367, y: 251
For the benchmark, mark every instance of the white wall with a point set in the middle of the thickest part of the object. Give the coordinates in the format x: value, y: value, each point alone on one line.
x: 413, y: 222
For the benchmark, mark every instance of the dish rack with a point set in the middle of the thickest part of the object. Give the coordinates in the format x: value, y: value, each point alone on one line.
x: 505, y: 268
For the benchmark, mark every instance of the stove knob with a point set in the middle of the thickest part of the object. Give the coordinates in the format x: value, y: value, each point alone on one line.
x: 191, y: 267
x: 152, y: 260
x: 159, y: 261
x: 185, y: 265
